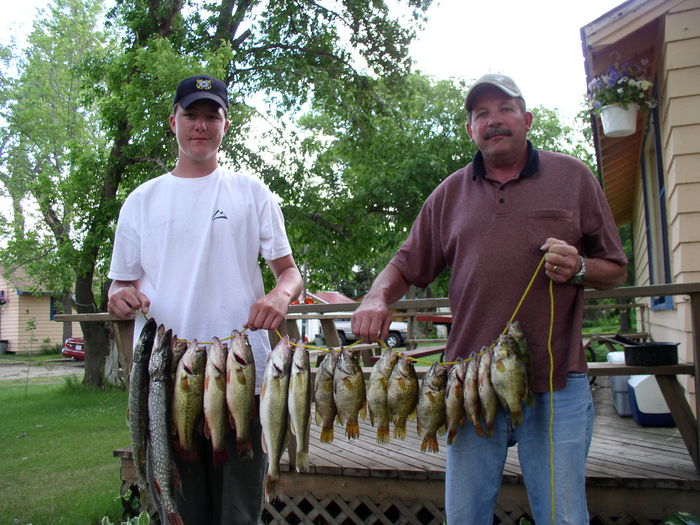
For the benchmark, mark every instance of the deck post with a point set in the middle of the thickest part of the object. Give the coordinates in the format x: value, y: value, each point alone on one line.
x: 695, y: 324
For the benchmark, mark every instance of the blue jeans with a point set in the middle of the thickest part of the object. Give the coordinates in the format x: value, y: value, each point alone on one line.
x: 475, y: 464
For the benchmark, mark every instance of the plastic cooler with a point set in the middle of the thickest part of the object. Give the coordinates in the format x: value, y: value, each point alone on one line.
x: 618, y: 387
x: 649, y: 408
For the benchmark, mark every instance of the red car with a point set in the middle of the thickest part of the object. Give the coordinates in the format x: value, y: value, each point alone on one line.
x: 74, y: 347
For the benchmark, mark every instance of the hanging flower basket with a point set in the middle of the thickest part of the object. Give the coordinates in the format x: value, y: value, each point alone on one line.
x: 618, y: 121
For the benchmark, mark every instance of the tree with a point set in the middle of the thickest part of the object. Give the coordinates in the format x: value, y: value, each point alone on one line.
x: 292, y: 53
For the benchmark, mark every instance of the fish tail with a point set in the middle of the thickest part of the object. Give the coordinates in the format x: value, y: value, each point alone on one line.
x: 352, y: 430
x: 400, y: 430
x: 479, y: 429
x: 244, y: 447
x: 273, y: 487
x: 430, y: 443
x: 219, y: 457
x: 451, y: 435
x: 174, y: 518
x: 302, y: 461
x: 383, y: 434
x: 327, y: 435
x: 516, y: 418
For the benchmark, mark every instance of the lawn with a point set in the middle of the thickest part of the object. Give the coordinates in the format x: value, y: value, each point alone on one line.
x: 56, y: 465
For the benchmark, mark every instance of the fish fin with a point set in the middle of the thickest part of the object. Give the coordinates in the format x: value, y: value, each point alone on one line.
x: 219, y: 380
x: 529, y: 398
x: 477, y: 428
x: 352, y: 430
x: 174, y: 518
x: 419, y: 428
x: 240, y: 377
x: 207, y: 430
x: 273, y: 488
x: 318, y: 416
x: 400, y: 429
x: 185, y: 383
x: 371, y: 416
x: 516, y: 417
x: 363, y: 411
x: 219, y: 457
x: 228, y: 376
x: 412, y: 415
x: 262, y: 439
x: 302, y: 461
x: 327, y: 435
x: 341, y: 418
x: 451, y: 436
x: 430, y: 443
x: 206, y: 382
x: 500, y: 366
x: 348, y: 383
x: 263, y: 388
x: 442, y: 430
x: 244, y: 447
x: 383, y: 433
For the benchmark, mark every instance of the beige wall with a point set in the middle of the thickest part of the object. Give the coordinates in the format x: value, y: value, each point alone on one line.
x: 679, y: 113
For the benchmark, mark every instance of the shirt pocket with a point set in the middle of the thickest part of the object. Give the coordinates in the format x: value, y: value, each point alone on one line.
x: 542, y: 224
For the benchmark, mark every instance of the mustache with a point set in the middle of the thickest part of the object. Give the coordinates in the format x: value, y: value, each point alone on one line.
x: 498, y: 131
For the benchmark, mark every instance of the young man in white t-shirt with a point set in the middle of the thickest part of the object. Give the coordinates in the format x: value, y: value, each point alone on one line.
x: 186, y: 253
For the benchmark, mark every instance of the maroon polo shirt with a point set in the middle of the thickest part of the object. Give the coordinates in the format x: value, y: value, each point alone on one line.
x: 490, y: 233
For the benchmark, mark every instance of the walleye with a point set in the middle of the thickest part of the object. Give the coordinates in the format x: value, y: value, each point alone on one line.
x: 299, y: 404
x: 377, y: 393
x: 215, y: 409
x: 188, y: 398
x: 159, y: 414
x: 471, y: 393
x: 349, y: 392
x: 509, y: 378
x: 431, y: 407
x: 240, y: 391
x: 137, y: 413
x: 402, y: 395
x: 323, y: 396
x: 487, y: 395
x: 274, y: 412
x: 454, y: 399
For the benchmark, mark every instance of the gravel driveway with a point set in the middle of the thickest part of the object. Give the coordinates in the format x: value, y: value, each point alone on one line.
x: 17, y: 370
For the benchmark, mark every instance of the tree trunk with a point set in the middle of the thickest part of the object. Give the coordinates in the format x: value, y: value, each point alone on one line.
x: 67, y: 306
x: 95, y: 333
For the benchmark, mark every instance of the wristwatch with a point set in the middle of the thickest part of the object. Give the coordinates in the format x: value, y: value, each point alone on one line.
x: 581, y: 274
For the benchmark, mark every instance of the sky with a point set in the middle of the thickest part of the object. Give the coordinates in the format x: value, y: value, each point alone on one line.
x: 537, y: 42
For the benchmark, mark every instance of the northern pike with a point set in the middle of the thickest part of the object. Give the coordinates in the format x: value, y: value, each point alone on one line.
x: 487, y: 395
x: 349, y: 392
x: 509, y: 378
x: 188, y: 399
x: 215, y: 409
x: 159, y: 419
x: 240, y: 391
x: 430, y: 410
x: 137, y: 414
x: 454, y: 399
x: 326, y: 410
x: 402, y: 395
x: 274, y: 413
x: 299, y: 404
x: 377, y: 393
x: 472, y: 405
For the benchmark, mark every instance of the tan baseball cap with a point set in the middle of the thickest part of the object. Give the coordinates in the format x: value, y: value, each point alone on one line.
x: 502, y: 82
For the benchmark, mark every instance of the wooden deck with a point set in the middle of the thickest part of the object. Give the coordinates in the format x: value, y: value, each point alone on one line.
x: 634, y: 472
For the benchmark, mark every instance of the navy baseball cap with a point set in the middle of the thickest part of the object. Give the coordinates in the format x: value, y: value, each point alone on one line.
x: 201, y: 87
x: 502, y: 82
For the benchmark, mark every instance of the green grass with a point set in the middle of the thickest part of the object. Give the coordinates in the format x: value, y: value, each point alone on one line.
x: 56, y: 464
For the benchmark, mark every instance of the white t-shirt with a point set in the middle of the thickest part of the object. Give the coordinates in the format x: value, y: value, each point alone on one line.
x: 193, y: 243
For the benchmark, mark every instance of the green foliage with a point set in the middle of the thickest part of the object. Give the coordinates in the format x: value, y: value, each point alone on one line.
x: 57, y: 441
x: 682, y: 518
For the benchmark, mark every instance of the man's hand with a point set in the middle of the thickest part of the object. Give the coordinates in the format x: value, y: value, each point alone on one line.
x: 561, y: 260
x: 268, y: 312
x: 371, y: 320
x: 125, y: 300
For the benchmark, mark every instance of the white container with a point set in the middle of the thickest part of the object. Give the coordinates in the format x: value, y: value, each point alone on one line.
x: 649, y: 407
x: 617, y: 121
x: 618, y: 387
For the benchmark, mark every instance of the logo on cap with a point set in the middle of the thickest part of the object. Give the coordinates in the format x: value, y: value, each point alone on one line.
x: 203, y: 83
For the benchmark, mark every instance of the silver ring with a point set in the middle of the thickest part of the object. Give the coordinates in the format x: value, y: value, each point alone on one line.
x: 554, y: 268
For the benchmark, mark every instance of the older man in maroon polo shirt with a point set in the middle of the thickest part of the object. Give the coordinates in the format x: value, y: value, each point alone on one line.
x: 490, y: 223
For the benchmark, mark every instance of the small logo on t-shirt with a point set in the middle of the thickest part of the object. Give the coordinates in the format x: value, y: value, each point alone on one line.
x: 218, y: 214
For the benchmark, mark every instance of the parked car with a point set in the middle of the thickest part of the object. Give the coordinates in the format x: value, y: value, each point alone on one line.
x: 74, y: 347
x: 398, y: 331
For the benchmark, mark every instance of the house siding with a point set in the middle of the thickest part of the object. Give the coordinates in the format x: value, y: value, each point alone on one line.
x: 15, y: 315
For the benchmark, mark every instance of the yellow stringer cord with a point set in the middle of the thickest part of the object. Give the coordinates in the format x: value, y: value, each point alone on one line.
x: 515, y: 313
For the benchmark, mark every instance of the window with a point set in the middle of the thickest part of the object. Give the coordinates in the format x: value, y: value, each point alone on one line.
x: 655, y: 214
